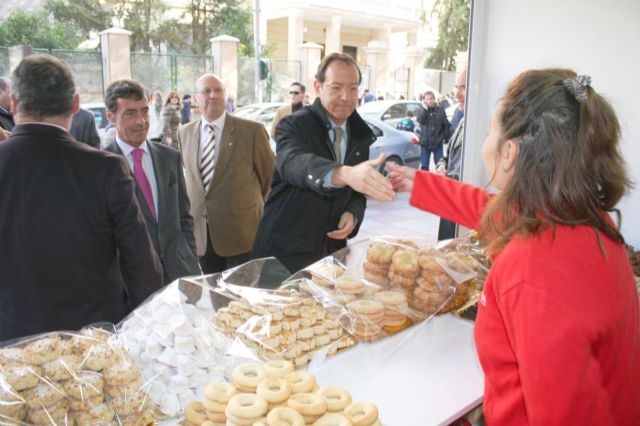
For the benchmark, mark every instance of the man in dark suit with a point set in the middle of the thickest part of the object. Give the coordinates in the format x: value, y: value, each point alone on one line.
x: 68, y: 215
x: 228, y: 165
x: 83, y: 128
x: 160, y: 186
x: 322, y: 172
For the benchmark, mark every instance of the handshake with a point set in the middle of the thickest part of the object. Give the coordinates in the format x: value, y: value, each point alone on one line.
x: 366, y: 178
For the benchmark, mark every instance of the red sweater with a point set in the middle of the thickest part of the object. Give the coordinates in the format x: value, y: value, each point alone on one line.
x: 558, y: 326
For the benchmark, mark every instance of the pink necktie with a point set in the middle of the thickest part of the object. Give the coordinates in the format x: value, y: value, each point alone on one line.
x: 143, y: 182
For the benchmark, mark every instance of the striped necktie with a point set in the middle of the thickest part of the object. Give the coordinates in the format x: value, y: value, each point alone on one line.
x: 207, y: 163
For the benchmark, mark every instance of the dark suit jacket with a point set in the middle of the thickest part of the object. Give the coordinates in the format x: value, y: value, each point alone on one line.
x: 300, y: 210
x: 83, y: 128
x: 6, y: 119
x: 67, y: 211
x: 172, y: 236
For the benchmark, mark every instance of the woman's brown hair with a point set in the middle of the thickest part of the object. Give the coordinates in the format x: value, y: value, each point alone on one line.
x: 569, y: 170
x: 173, y: 95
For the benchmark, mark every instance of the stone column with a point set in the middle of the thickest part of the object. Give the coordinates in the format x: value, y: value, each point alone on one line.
x: 16, y: 55
x: 310, y: 61
x: 116, y: 56
x: 414, y: 59
x: 462, y: 59
x: 378, y: 62
x: 224, y: 50
x: 333, y: 42
x: 295, y: 36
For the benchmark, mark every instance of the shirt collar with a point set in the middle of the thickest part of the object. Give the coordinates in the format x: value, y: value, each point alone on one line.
x: 126, y: 148
x: 218, y: 123
x: 46, y: 124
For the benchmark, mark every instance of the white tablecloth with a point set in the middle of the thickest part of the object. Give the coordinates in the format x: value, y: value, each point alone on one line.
x: 426, y: 375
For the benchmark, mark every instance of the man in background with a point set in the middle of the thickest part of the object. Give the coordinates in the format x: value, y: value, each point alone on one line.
x: 451, y: 163
x: 157, y: 170
x: 228, y: 166
x: 83, y: 128
x: 297, y: 93
x: 69, y: 215
x: 185, y: 112
x: 6, y: 118
x: 435, y: 130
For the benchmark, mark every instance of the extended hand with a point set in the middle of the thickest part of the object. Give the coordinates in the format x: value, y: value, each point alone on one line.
x: 366, y: 179
x: 345, y: 227
x: 401, y: 177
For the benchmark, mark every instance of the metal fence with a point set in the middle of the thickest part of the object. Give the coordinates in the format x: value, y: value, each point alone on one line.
x: 166, y: 72
x: 274, y: 88
x: 400, y: 78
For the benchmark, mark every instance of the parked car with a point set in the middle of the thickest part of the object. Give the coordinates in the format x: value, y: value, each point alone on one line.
x: 99, y: 111
x: 398, y: 146
x: 263, y: 112
x: 390, y: 112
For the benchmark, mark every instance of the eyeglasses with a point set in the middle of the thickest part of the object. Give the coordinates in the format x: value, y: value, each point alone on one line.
x: 294, y: 92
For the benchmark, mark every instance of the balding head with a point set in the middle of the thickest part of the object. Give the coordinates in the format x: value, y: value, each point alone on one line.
x: 210, y: 96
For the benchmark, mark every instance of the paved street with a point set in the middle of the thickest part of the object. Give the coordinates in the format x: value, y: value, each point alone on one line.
x: 398, y: 219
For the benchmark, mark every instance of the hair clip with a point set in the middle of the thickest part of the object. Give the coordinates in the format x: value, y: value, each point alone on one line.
x: 578, y: 87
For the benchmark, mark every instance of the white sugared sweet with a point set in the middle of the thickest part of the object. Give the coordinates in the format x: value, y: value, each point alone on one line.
x: 185, y: 344
x: 186, y: 367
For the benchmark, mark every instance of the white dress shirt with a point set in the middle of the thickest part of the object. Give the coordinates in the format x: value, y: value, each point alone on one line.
x: 147, y: 165
x: 205, y: 134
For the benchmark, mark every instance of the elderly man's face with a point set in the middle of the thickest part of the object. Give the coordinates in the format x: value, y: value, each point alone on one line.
x: 461, y: 89
x: 339, y: 92
x: 210, y: 95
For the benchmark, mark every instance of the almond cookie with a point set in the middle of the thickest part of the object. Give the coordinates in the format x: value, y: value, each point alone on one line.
x: 86, y: 404
x: 11, y: 356
x: 42, y: 350
x: 45, y: 415
x: 380, y: 253
x: 86, y: 384
x: 132, y: 403
x: 22, y: 377
x: 11, y: 404
x: 405, y: 262
x: 120, y: 373
x: 62, y: 368
x: 98, y: 356
x: 99, y: 414
x: 43, y: 395
x: 349, y: 284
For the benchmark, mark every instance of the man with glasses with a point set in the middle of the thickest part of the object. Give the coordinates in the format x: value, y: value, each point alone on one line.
x: 297, y: 93
x: 228, y: 166
x: 451, y: 163
x: 322, y: 173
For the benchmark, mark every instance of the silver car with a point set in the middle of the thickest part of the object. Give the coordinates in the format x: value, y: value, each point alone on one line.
x: 389, y: 112
x: 263, y: 112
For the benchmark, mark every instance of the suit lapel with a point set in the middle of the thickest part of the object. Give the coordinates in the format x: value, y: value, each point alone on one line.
x: 224, y: 150
x: 191, y: 151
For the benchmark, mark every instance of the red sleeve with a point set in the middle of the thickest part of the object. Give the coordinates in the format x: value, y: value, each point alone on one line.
x: 455, y: 201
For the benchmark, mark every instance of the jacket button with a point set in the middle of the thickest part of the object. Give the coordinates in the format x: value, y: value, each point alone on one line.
x: 357, y: 154
x: 310, y: 177
x: 317, y: 180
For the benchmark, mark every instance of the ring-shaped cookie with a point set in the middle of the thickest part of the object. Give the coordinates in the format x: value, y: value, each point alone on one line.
x: 278, y: 368
x: 361, y: 413
x: 337, y: 398
x: 332, y: 419
x: 246, y: 406
x: 195, y: 413
x: 308, y: 404
x: 220, y: 392
x: 284, y: 416
x: 248, y: 375
x: 274, y: 390
x: 301, y: 381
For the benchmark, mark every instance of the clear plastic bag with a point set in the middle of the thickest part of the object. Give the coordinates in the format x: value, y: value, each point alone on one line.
x: 65, y: 378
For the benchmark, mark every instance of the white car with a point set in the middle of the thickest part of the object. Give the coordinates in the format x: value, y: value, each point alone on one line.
x: 263, y: 112
x: 389, y: 112
x: 99, y: 111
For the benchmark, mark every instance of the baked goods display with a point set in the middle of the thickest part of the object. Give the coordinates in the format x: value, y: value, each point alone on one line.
x: 176, y: 347
x: 273, y: 394
x: 64, y: 379
x: 282, y: 325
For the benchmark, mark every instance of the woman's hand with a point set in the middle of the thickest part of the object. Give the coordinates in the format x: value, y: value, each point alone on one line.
x: 401, y: 177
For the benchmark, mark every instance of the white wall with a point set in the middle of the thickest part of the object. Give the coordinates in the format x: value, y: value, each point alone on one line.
x: 601, y: 39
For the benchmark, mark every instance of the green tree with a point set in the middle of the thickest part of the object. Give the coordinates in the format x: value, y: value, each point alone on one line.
x: 85, y: 16
x: 211, y: 18
x: 38, y: 30
x: 453, y: 32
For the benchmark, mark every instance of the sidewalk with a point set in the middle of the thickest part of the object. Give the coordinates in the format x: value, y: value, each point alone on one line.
x: 397, y: 219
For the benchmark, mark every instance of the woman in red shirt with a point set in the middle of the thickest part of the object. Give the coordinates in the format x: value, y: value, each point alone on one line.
x: 558, y: 325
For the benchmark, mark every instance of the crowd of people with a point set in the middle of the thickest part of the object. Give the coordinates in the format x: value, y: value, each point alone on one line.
x: 88, y: 234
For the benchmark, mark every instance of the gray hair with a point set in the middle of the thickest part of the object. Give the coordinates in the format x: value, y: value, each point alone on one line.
x: 124, y: 89
x: 44, y: 87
